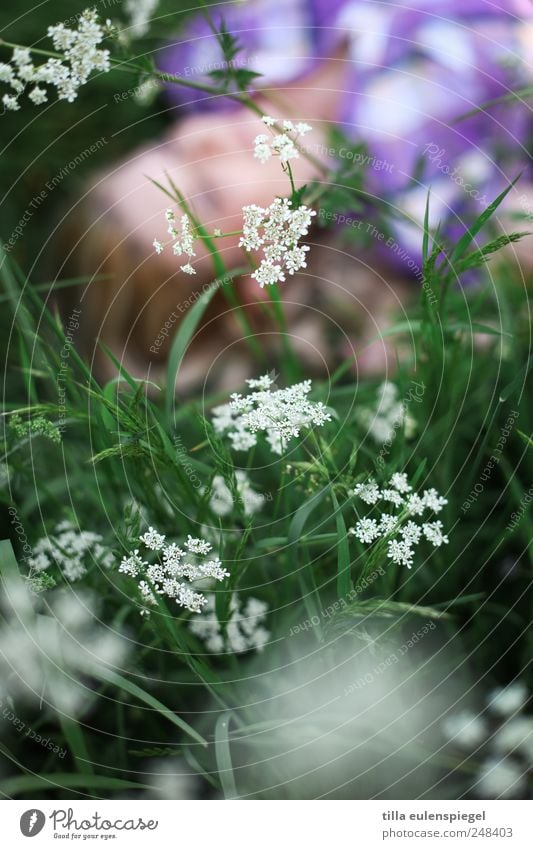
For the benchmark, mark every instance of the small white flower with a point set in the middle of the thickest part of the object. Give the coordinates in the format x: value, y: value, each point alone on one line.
x: 133, y: 564
x: 152, y: 539
x: 399, y: 481
x: 387, y: 523
x: 411, y: 533
x: 400, y: 553
x: 169, y: 574
x: 10, y: 102
x: 279, y: 144
x: 279, y: 414
x: 366, y: 530
x: 81, y: 56
x: 187, y: 268
x: 276, y: 230
x: 393, y: 496
x: 368, y: 492
x: 197, y: 546
x: 433, y: 533
x: 158, y: 246
x: 38, y: 95
x: 433, y: 501
x: 415, y: 505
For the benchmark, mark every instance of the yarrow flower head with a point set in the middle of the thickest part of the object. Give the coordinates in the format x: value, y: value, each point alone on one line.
x: 174, y: 573
x: 280, y: 414
x: 244, y: 631
x: 407, y: 532
x: 282, y: 144
x: 276, y: 231
x: 183, y: 243
x: 81, y: 55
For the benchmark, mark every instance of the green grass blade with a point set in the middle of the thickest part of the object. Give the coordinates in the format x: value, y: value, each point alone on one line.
x: 137, y: 692
x: 223, y: 756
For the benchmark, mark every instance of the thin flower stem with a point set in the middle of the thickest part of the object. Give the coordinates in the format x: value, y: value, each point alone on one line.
x: 220, y: 270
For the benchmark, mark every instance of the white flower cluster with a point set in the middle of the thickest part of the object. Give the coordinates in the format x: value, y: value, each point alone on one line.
x: 47, y: 656
x: 388, y: 415
x: 139, y: 13
x: 507, y: 737
x: 222, y: 500
x: 70, y: 550
x: 184, y: 240
x: 80, y: 57
x: 244, y: 630
x: 407, y: 533
x: 174, y: 572
x: 279, y: 144
x: 280, y: 414
x: 276, y: 230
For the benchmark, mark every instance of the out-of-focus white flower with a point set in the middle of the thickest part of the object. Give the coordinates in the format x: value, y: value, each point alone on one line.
x: 244, y: 630
x: 388, y: 415
x: 174, y: 572
x: 507, y: 700
x: 516, y: 737
x: 171, y: 778
x: 183, y: 240
x: 71, y: 550
x: 276, y: 230
x: 44, y: 656
x: 500, y: 778
x: 280, y: 414
x: 139, y: 14
x: 465, y: 729
x: 222, y: 501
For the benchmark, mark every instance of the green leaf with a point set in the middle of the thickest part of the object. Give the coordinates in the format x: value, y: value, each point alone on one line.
x: 478, y: 224
x: 181, y: 342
